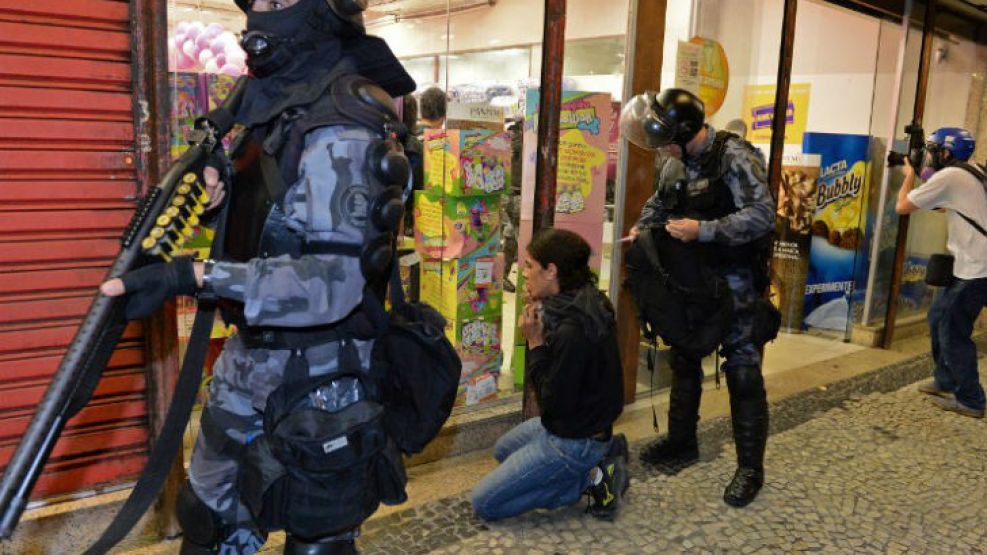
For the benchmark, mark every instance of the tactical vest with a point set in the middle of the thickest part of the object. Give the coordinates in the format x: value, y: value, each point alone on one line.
x: 709, y: 198
x: 266, y: 163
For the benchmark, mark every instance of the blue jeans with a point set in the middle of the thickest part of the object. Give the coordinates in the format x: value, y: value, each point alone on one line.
x: 951, y: 320
x: 538, y: 471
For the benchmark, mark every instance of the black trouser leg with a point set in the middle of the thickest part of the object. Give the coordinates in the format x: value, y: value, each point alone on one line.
x: 749, y: 412
x: 679, y: 446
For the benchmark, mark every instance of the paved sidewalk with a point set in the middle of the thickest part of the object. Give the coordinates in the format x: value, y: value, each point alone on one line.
x: 847, y: 472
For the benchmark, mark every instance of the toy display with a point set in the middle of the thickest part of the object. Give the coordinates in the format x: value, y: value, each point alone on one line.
x: 467, y: 162
x: 448, y: 227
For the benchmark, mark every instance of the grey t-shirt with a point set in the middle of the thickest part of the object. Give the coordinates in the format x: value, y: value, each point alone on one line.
x: 955, y: 189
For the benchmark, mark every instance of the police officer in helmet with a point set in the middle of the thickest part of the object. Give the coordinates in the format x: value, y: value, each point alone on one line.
x: 712, y: 193
x: 315, y: 202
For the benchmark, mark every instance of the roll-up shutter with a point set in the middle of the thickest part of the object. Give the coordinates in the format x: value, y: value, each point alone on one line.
x: 67, y: 184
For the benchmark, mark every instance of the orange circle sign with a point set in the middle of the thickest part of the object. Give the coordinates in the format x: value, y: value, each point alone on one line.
x: 714, y: 74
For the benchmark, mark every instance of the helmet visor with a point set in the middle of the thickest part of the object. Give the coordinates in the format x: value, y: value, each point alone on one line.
x: 643, y: 125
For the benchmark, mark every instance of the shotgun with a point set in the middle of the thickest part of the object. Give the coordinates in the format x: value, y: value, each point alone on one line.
x: 163, y: 220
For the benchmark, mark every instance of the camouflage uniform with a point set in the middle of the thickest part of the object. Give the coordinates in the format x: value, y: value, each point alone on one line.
x: 743, y: 172
x: 288, y: 293
x: 748, y: 182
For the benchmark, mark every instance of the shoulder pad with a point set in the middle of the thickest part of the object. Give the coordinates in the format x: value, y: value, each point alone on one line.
x: 353, y: 100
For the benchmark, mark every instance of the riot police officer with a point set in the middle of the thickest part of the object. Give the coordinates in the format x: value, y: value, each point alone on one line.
x: 711, y: 191
x: 315, y: 204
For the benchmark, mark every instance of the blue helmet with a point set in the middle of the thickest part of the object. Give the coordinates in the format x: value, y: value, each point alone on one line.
x: 958, y: 141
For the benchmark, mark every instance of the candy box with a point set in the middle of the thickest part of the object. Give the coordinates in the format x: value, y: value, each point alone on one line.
x: 467, y: 162
x: 478, y: 390
x: 451, y: 227
x: 478, y: 364
x: 464, y: 287
x: 478, y: 334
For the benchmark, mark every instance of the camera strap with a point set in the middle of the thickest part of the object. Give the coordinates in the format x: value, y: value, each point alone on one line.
x: 982, y: 178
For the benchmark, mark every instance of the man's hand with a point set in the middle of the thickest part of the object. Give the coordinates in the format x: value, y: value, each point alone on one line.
x: 149, y: 287
x: 215, y: 188
x: 904, y: 205
x: 532, y: 326
x: 683, y: 230
x: 631, y: 235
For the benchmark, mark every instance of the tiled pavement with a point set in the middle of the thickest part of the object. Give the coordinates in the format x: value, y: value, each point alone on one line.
x: 848, y: 472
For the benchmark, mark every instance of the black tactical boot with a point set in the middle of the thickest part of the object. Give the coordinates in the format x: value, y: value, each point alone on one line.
x: 679, y: 448
x: 749, y: 411
x: 189, y: 548
x: 325, y: 546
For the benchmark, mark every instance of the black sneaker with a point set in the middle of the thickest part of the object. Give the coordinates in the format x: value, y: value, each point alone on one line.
x: 618, y: 447
x: 607, y: 495
x: 744, y: 487
x: 671, y: 453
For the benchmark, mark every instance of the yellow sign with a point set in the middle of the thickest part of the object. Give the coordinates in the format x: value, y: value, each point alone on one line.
x: 759, y: 108
x: 713, y: 73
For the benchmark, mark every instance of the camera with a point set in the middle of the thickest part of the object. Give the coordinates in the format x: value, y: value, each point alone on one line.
x: 916, y: 148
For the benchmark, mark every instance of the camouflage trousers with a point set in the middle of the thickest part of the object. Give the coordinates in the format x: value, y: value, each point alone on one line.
x: 241, y: 383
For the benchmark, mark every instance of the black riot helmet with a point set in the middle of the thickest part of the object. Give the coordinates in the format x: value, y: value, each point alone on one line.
x: 673, y: 116
x: 349, y: 11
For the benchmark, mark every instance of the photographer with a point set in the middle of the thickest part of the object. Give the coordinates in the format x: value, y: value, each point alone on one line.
x: 958, y: 188
x: 574, y: 363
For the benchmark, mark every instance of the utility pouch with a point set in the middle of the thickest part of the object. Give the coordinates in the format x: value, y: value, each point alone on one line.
x: 939, y: 272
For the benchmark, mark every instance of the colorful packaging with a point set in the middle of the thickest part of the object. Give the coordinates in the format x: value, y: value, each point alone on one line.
x: 464, y: 287
x: 479, y: 334
x: 450, y: 227
x: 838, y: 227
x: 478, y: 390
x: 467, y: 162
x: 478, y: 364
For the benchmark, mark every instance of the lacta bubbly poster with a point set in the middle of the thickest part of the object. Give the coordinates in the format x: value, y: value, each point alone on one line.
x: 838, y: 227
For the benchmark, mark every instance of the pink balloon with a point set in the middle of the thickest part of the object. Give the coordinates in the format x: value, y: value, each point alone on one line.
x: 188, y: 48
x: 230, y: 69
x: 196, y: 28
x: 217, y: 47
x: 205, y: 56
x: 184, y: 62
x: 211, y: 66
x: 237, y: 57
x: 202, y: 43
x: 214, y: 30
x: 220, y: 60
x: 182, y: 28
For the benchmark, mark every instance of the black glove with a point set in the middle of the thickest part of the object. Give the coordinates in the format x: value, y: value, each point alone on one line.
x: 149, y: 287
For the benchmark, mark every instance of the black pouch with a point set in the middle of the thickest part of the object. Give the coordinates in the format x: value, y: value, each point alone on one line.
x: 767, y: 322
x: 315, y: 472
x: 939, y: 272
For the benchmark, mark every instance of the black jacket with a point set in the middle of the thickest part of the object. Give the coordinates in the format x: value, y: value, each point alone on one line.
x: 577, y: 375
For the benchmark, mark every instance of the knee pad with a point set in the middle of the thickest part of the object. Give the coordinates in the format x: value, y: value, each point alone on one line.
x: 745, y: 382
x: 200, y: 524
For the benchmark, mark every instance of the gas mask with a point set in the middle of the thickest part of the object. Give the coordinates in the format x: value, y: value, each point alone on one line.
x: 932, y: 161
x: 273, y: 38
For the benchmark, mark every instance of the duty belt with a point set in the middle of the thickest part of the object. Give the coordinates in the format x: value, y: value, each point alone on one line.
x: 277, y: 339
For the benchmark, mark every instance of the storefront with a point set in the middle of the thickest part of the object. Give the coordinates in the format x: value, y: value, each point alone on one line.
x: 853, y: 71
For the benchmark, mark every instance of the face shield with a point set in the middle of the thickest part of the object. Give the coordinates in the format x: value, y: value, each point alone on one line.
x: 643, y: 125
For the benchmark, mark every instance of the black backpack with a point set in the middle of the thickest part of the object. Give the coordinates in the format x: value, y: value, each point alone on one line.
x: 420, y: 370
x: 679, y: 298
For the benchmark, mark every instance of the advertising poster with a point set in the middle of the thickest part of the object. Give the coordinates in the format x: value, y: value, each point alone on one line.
x: 582, y: 170
x: 796, y: 209
x: 190, y: 101
x: 701, y: 67
x: 759, y: 111
x: 838, y: 226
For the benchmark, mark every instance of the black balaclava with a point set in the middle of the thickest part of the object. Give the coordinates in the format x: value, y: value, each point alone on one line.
x: 293, y: 54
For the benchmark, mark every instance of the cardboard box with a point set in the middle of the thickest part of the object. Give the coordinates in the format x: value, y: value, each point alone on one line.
x: 467, y: 162
x: 478, y: 390
x: 452, y: 227
x: 476, y: 335
x: 478, y: 364
x: 464, y: 287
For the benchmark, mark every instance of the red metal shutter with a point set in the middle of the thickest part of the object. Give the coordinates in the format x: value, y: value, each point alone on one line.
x: 66, y: 172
